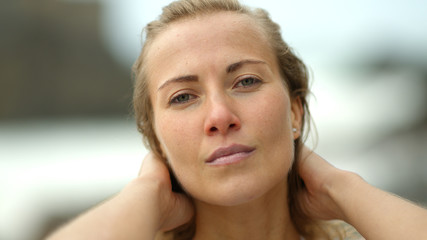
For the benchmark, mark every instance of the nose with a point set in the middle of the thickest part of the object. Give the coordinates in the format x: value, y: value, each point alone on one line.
x: 221, y: 118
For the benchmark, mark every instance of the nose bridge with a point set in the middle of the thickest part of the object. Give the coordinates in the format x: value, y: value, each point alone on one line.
x: 218, y: 105
x: 220, y: 114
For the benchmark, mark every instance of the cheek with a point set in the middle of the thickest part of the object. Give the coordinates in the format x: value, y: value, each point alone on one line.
x: 275, y: 130
x: 179, y: 139
x: 177, y: 133
x: 274, y: 116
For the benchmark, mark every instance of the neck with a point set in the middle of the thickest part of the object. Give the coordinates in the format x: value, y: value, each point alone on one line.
x: 264, y: 218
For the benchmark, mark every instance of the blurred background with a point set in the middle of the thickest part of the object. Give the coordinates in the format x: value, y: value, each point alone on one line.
x: 68, y: 138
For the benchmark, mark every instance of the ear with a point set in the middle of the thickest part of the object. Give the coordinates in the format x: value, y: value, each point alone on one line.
x: 297, y: 113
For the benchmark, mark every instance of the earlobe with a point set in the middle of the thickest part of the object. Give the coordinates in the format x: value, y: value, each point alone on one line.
x: 297, y: 113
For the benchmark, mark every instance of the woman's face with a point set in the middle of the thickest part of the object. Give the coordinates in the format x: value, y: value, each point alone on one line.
x: 221, y: 112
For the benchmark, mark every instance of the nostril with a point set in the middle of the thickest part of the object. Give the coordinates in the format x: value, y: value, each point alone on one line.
x: 213, y: 129
x: 232, y: 125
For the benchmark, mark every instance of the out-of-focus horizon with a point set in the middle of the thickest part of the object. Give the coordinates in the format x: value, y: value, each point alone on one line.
x: 68, y: 138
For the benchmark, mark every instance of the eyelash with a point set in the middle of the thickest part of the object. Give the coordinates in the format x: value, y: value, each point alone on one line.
x: 175, y: 100
x: 256, y: 81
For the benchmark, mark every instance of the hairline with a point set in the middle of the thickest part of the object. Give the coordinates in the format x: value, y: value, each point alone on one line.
x: 248, y: 15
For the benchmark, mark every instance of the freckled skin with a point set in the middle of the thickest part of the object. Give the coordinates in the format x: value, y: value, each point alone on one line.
x: 261, y: 116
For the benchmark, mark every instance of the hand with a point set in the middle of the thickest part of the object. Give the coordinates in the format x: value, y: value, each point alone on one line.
x: 318, y: 176
x: 145, y: 206
x: 336, y: 194
x: 175, y: 209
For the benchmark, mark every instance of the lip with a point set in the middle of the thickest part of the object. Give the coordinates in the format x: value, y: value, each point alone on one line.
x: 229, y: 155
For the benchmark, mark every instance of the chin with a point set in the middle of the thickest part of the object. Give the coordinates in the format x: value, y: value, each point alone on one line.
x: 234, y: 194
x: 234, y: 199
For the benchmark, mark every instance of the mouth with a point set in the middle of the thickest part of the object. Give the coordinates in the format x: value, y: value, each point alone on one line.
x: 229, y: 155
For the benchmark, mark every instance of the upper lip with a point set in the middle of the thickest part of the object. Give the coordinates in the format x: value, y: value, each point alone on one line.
x: 230, y: 150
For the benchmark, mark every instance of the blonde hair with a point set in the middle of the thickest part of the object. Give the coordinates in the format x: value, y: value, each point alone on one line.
x: 293, y: 73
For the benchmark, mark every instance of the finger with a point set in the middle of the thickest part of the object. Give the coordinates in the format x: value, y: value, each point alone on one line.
x: 309, y: 156
x: 150, y: 163
x: 144, y: 161
x: 305, y: 152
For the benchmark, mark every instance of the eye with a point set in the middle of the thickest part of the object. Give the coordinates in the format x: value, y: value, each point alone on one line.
x: 181, y: 98
x: 247, y: 82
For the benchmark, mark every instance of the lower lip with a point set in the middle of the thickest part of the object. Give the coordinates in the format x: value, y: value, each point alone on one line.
x: 230, y: 159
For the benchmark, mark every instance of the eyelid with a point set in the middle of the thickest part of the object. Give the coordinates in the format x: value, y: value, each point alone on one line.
x: 175, y: 95
x: 245, y: 76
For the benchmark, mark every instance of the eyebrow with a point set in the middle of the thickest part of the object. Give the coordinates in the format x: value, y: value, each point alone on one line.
x: 186, y: 78
x: 193, y: 78
x: 235, y: 66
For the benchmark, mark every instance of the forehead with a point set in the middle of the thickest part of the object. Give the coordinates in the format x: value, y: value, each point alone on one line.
x: 207, y: 38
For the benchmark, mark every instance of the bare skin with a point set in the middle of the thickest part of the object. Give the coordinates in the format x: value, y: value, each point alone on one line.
x: 213, y: 108
x: 144, y: 207
x: 263, y: 218
x: 216, y: 95
x: 337, y: 194
x: 147, y: 205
